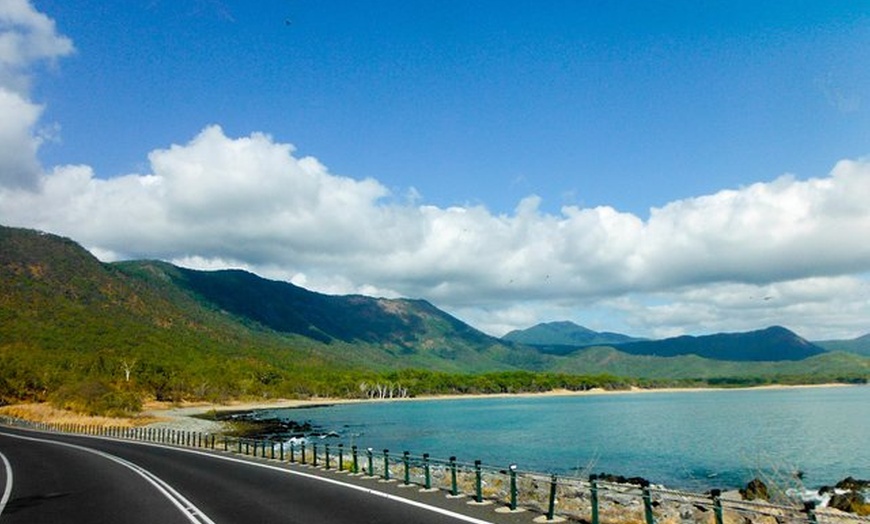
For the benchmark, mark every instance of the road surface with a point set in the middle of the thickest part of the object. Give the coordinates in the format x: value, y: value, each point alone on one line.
x: 54, y: 478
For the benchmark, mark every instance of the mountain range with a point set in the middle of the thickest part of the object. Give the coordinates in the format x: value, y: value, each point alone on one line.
x: 64, y: 313
x: 774, y: 343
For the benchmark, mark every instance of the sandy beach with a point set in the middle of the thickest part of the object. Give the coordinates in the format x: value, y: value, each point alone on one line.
x: 182, y: 416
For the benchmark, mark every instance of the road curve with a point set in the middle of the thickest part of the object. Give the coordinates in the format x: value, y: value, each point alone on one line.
x: 45, y: 482
x: 50, y: 480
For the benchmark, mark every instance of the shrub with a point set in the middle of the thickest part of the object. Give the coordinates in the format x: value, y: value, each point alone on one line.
x: 95, y: 397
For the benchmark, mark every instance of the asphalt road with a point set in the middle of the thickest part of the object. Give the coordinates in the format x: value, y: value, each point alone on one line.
x: 50, y: 478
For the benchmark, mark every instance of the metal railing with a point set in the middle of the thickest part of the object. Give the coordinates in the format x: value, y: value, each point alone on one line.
x: 591, y: 500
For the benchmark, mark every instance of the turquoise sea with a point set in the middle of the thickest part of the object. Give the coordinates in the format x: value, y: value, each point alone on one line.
x: 689, y: 440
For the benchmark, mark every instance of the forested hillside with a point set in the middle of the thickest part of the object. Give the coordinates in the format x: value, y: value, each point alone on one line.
x: 102, y: 337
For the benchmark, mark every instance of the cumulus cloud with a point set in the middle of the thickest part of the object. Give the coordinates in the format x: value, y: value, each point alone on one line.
x: 787, y: 251
x: 27, y: 38
x: 250, y: 202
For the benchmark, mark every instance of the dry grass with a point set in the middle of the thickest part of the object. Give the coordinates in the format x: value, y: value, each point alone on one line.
x: 48, y: 414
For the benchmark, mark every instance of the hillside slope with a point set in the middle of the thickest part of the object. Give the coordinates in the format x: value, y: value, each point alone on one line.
x: 827, y: 367
x: 771, y: 344
x: 565, y: 334
x: 72, y: 327
x: 67, y: 318
x: 858, y: 346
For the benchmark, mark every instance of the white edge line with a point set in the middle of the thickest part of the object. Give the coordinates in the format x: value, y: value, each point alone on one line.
x: 7, y: 492
x: 186, y: 507
x: 388, y: 496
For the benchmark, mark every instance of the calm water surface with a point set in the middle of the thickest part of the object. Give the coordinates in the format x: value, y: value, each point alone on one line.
x: 697, y: 440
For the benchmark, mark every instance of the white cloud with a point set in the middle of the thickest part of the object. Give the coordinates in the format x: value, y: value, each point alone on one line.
x: 693, y: 266
x: 789, y: 252
x: 27, y: 37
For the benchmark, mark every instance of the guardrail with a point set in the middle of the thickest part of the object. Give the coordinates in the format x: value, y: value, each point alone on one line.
x: 591, y: 500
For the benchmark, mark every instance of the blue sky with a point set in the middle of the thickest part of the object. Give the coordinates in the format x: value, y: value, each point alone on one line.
x: 649, y: 167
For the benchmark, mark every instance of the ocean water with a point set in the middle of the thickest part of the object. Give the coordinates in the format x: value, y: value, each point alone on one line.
x: 689, y: 440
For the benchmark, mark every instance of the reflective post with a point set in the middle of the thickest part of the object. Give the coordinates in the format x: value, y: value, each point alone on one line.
x: 717, y: 505
x: 453, y: 489
x: 407, y: 463
x: 513, y: 474
x: 371, y: 466
x: 810, y: 508
x: 478, y: 482
x: 386, y: 464
x: 593, y: 488
x: 551, y: 510
x: 647, y: 506
x: 428, y: 474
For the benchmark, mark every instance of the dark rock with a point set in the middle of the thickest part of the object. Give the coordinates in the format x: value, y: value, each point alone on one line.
x: 853, y: 484
x: 755, y: 490
x: 619, y: 479
x: 850, y: 502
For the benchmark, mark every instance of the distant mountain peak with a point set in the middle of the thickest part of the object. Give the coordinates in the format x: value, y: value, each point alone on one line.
x: 774, y: 343
x: 564, y: 333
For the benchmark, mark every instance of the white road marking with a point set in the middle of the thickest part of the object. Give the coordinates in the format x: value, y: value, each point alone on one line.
x: 388, y: 496
x: 435, y: 509
x: 8, y: 490
x: 193, y: 514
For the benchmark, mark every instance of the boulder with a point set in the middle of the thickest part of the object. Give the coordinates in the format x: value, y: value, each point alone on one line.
x: 850, y: 502
x: 853, y: 484
x: 755, y: 490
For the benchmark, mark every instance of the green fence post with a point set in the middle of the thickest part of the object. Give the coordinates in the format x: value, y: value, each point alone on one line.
x: 593, y: 488
x: 292, y: 451
x: 513, y: 474
x: 303, y: 453
x: 314, y: 453
x: 355, y: 452
x: 647, y: 506
x: 428, y: 474
x: 281, y: 451
x: 326, y: 452
x: 407, y: 463
x: 717, y: 505
x: 478, y: 482
x: 341, y: 457
x: 551, y: 509
x: 453, y: 488
x: 371, y: 466
x: 810, y: 509
x: 386, y: 464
